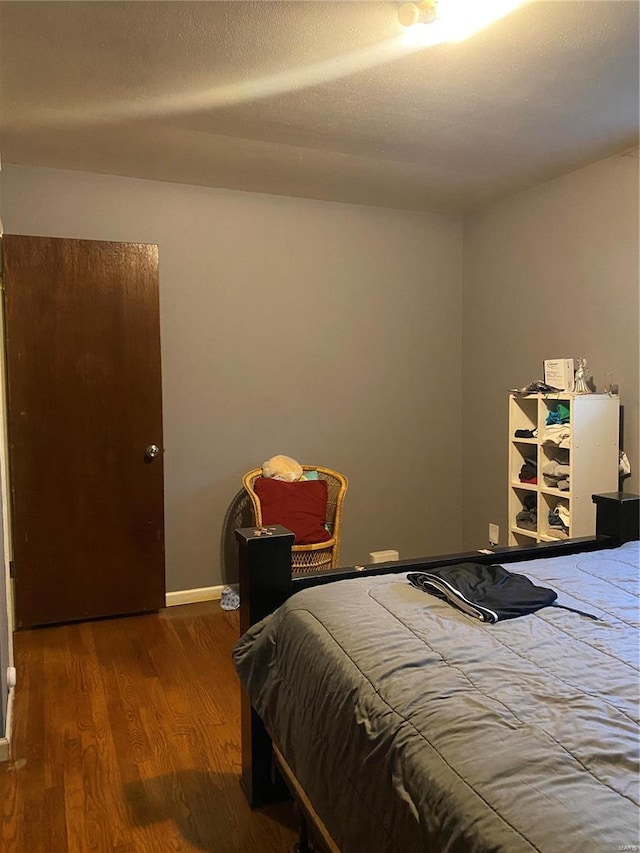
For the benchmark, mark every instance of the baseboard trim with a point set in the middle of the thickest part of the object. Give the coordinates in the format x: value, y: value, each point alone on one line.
x: 192, y: 596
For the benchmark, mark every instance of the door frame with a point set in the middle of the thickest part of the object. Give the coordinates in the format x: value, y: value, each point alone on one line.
x: 6, y: 582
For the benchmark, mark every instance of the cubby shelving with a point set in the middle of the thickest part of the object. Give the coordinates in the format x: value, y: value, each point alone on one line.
x: 575, y: 459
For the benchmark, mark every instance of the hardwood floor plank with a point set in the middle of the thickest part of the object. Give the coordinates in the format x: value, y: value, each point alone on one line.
x: 126, y: 674
x: 74, y: 818
x: 126, y: 740
x: 12, y: 792
x: 56, y: 838
x: 57, y: 720
x: 98, y: 769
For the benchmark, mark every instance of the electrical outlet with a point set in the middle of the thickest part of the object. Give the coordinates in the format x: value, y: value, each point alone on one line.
x: 494, y: 534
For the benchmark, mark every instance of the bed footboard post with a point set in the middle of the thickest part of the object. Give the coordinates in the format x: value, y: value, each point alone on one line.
x: 617, y: 516
x: 265, y: 584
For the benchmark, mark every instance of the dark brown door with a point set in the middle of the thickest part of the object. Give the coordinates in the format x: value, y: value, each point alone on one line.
x: 84, y: 392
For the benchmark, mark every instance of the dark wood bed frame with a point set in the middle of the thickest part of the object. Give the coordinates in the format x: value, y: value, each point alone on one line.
x: 266, y: 583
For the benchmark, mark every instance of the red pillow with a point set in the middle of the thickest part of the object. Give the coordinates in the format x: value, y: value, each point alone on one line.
x: 300, y: 506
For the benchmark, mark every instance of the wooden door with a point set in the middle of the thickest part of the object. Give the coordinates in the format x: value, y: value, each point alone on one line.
x: 84, y: 399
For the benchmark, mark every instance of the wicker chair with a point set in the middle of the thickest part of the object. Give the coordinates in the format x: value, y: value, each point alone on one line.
x: 322, y: 555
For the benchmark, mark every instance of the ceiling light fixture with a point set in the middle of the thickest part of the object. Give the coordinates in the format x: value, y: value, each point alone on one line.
x: 432, y: 22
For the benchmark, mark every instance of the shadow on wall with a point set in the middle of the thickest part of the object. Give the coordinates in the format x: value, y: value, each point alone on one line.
x: 239, y: 514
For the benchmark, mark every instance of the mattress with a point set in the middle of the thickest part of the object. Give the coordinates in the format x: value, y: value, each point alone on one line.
x: 414, y: 727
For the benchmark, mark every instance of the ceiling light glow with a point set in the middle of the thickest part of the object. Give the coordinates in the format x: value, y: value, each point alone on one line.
x: 455, y: 20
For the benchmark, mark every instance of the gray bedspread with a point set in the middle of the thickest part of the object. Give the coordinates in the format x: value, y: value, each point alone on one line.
x: 413, y: 727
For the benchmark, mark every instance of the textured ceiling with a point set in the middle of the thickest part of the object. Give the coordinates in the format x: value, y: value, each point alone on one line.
x: 318, y: 99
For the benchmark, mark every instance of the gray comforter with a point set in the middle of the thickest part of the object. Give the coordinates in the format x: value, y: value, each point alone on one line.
x: 413, y: 727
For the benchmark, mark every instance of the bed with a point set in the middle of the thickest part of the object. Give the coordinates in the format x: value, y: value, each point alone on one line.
x: 408, y: 726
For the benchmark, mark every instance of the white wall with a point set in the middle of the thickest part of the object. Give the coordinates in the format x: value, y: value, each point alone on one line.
x: 549, y: 273
x: 328, y: 332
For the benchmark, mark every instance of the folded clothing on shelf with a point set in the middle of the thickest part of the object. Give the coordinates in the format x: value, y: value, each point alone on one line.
x: 556, y: 471
x: 527, y: 518
x: 529, y: 471
x: 526, y: 433
x: 559, y: 415
x: 559, y: 434
x: 560, y: 519
x: 556, y: 475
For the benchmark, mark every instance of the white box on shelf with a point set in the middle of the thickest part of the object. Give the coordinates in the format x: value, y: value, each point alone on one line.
x: 559, y: 373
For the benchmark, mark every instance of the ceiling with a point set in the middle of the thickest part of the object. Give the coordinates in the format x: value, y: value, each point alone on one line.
x: 318, y: 99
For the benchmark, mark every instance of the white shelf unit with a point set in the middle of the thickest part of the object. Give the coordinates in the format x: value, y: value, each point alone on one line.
x: 590, y: 451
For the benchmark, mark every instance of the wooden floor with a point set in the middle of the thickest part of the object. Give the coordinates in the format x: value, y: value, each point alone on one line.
x: 126, y: 738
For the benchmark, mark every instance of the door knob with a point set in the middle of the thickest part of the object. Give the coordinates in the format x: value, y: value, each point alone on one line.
x: 152, y: 451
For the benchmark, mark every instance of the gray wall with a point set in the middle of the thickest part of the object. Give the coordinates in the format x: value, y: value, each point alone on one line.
x: 327, y: 332
x: 550, y: 273
x: 337, y: 334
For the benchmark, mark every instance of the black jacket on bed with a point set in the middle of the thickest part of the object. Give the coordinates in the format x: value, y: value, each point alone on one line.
x: 489, y: 593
